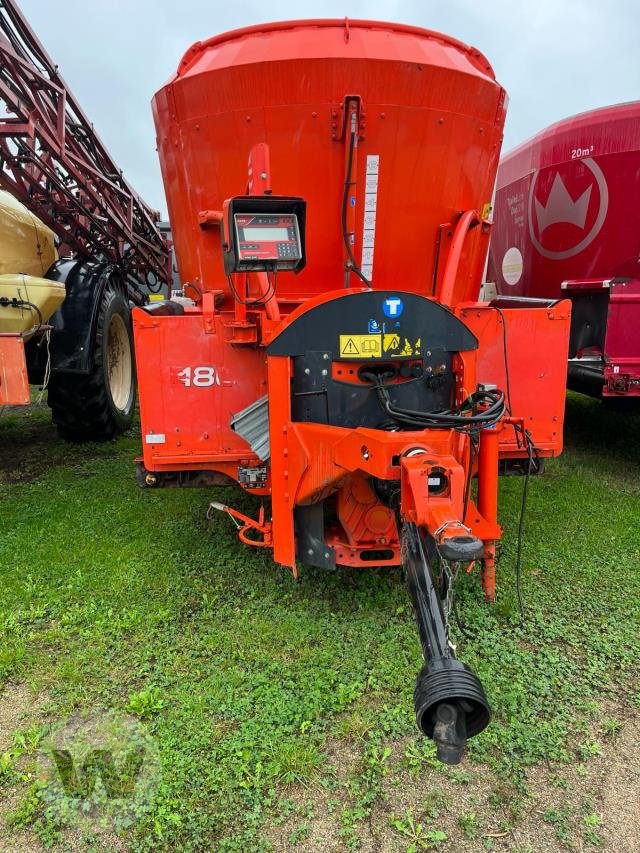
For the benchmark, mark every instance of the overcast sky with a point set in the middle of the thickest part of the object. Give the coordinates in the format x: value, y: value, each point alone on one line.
x: 554, y: 57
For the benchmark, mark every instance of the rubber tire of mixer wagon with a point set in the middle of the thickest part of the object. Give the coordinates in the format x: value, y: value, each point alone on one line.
x: 99, y: 406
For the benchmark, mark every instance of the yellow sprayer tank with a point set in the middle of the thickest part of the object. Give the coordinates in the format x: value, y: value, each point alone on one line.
x: 27, y: 251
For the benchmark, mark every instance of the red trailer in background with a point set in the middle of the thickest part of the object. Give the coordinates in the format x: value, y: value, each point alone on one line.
x: 567, y: 223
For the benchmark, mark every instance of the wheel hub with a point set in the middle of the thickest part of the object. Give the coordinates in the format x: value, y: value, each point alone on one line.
x: 119, y: 365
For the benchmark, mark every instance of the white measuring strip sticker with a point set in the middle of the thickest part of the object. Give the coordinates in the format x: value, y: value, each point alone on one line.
x: 370, y: 204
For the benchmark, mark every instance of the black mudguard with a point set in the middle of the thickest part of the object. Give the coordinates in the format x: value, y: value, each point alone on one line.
x: 74, y: 323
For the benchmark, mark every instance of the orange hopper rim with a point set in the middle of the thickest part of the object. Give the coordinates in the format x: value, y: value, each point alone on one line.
x: 476, y: 57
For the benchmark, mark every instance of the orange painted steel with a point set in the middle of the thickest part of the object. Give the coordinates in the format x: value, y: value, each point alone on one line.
x: 425, y: 101
x: 521, y: 350
x: 448, y: 292
x: 273, y: 109
x: 488, y: 459
x: 14, y: 383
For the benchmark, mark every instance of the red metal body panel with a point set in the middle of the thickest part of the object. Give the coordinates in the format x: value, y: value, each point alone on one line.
x: 618, y: 346
x: 621, y: 344
x: 190, y: 422
x: 14, y: 384
x: 567, y: 209
x: 536, y: 361
x: 424, y: 100
x: 568, y: 201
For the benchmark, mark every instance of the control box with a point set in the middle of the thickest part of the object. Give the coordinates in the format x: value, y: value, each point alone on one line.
x: 268, y: 237
x: 263, y: 233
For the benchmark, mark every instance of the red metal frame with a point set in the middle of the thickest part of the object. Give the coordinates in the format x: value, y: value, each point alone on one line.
x: 186, y: 427
x: 53, y: 161
x: 619, y: 350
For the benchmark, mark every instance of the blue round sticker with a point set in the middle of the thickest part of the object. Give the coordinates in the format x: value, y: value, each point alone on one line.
x: 392, y: 306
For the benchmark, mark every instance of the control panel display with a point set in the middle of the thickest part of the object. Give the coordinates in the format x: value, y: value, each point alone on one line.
x: 263, y: 233
x: 272, y: 239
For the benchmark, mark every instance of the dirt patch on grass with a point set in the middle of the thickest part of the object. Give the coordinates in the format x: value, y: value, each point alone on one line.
x: 17, y: 707
x: 20, y: 708
x: 620, y: 797
x: 593, y: 803
x: 17, y: 704
x: 25, y: 443
x: 30, y: 445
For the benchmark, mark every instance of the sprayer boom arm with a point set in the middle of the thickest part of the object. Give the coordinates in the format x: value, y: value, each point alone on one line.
x: 53, y: 161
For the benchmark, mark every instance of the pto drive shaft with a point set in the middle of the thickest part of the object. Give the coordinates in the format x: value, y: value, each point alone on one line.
x: 450, y: 702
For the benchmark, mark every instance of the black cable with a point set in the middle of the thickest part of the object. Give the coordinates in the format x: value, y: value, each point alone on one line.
x: 523, y: 437
x: 352, y: 264
x: 262, y: 300
x: 193, y: 287
x: 506, y: 360
x: 523, y: 507
x: 467, y: 486
x: 461, y: 625
x: 458, y: 420
x: 156, y: 287
x: 24, y: 303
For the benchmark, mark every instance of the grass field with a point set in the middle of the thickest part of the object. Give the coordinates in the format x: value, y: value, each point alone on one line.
x: 278, y: 715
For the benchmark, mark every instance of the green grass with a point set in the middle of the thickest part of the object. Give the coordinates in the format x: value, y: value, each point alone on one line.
x: 115, y: 598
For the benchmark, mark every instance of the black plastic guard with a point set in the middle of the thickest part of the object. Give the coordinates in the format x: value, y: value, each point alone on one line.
x: 367, y: 313
x: 74, y: 323
x: 418, y: 341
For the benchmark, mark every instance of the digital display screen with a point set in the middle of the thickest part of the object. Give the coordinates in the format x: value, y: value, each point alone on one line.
x: 259, y: 234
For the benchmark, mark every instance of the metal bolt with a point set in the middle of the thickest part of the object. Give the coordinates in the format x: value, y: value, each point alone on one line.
x: 326, y: 555
x: 326, y: 356
x: 325, y: 372
x: 428, y: 352
x: 307, y: 371
x: 310, y: 552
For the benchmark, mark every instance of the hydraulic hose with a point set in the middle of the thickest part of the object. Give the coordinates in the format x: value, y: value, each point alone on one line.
x: 352, y: 264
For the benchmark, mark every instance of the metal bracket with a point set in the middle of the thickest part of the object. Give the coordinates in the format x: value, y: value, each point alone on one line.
x: 340, y: 115
x: 311, y: 547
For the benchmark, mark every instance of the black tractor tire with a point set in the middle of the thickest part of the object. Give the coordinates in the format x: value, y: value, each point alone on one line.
x: 99, y: 405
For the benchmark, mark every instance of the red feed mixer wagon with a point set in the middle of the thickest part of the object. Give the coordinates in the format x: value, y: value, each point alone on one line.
x: 567, y: 223
x: 327, y: 184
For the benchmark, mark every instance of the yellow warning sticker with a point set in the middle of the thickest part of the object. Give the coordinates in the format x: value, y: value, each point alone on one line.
x: 388, y: 345
x: 360, y: 346
x: 397, y: 346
